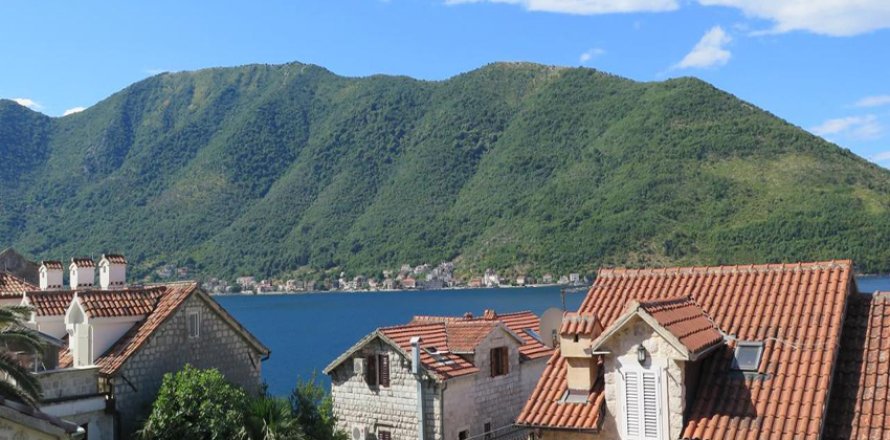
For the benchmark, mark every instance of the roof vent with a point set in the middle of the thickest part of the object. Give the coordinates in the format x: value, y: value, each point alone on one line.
x: 82, y: 273
x: 51, y: 273
x: 112, y: 271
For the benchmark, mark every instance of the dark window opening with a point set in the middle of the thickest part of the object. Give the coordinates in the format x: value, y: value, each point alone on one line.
x: 463, y: 435
x: 487, y: 430
x: 384, y: 435
x: 377, y: 372
x: 500, y: 361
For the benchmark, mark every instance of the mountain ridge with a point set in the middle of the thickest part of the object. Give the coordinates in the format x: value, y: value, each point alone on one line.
x: 267, y: 169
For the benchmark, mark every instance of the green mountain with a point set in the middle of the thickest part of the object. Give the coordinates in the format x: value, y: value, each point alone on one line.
x: 525, y: 168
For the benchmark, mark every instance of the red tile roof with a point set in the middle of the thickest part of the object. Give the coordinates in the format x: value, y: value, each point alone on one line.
x: 114, y: 258
x: 579, y: 324
x: 686, y: 321
x: 12, y: 286
x: 795, y: 309
x: 445, y: 364
x: 52, y: 264
x: 168, y: 299
x: 83, y: 262
x: 126, y: 302
x: 860, y: 396
x: 50, y: 303
x: 517, y: 322
x: 464, y: 336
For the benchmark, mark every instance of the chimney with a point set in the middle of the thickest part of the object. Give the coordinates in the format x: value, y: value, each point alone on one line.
x: 82, y: 273
x: 576, y: 336
x: 112, y: 271
x: 415, y: 355
x: 51, y: 273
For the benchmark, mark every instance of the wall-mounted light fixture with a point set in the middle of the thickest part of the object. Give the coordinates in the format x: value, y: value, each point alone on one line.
x: 641, y: 354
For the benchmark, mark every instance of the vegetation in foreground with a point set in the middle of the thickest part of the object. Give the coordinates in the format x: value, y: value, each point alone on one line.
x: 201, y: 404
x: 17, y: 382
x: 292, y: 170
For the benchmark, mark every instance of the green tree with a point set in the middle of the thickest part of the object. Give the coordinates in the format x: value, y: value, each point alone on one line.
x: 196, y: 404
x: 312, y: 407
x: 270, y: 418
x: 21, y: 384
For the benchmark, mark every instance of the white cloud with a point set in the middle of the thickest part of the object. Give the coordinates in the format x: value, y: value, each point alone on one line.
x: 74, y: 110
x: 881, y: 157
x: 709, y: 51
x: 584, y: 7
x: 826, y: 17
x: 591, y: 54
x: 30, y: 103
x: 854, y: 127
x: 873, y: 101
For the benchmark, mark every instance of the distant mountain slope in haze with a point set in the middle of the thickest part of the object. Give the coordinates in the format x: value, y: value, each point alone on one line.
x: 520, y: 167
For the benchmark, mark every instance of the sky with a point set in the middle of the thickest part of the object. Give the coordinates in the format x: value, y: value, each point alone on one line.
x: 823, y: 65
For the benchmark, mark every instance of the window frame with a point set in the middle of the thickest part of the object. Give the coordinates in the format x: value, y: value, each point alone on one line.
x: 500, y: 361
x: 377, y: 370
x: 193, y: 314
x: 743, y: 345
x: 384, y: 434
x: 661, y: 426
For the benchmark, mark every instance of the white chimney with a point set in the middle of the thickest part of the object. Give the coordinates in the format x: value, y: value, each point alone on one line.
x: 51, y: 273
x: 82, y: 273
x: 112, y: 271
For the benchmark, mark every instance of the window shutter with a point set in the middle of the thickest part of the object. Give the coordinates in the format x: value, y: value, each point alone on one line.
x: 650, y: 406
x: 493, y: 357
x: 384, y: 370
x: 384, y: 435
x: 632, y: 404
x: 505, y: 360
x: 371, y: 372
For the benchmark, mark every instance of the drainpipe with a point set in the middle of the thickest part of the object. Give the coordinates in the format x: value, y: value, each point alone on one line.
x: 415, y: 369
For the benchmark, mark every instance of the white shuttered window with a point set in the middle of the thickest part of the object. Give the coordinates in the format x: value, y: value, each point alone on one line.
x: 641, y: 400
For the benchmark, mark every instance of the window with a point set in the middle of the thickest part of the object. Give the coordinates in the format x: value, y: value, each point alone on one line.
x: 487, y: 431
x: 641, y: 401
x: 747, y: 356
x: 500, y: 361
x: 194, y: 323
x: 384, y: 435
x: 377, y: 373
x: 463, y: 435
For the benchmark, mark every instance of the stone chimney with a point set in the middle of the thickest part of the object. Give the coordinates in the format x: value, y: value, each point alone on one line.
x: 51, y: 273
x: 82, y: 273
x: 576, y: 336
x: 112, y: 271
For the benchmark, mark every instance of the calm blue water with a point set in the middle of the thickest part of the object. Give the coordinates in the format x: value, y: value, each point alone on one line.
x: 306, y: 332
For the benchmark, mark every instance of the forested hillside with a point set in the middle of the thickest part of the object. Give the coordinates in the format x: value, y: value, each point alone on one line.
x: 519, y: 167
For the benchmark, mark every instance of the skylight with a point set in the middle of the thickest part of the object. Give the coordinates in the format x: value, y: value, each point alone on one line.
x: 575, y: 396
x: 747, y: 356
x: 439, y: 356
x: 533, y: 334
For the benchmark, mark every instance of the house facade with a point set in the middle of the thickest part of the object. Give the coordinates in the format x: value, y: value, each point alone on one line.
x: 439, y: 378
x: 120, y: 340
x: 786, y: 351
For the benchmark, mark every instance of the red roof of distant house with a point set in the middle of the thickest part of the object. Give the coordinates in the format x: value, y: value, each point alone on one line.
x: 83, y: 262
x: 684, y: 319
x: 464, y: 336
x: 860, y: 396
x: 796, y: 310
x: 50, y: 303
x: 517, y: 322
x: 12, y: 287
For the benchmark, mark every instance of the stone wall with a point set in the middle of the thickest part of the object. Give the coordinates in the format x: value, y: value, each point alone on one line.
x: 69, y: 382
x: 358, y: 405
x: 218, y: 346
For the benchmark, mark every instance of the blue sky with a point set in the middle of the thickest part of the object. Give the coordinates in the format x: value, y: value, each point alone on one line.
x: 823, y: 65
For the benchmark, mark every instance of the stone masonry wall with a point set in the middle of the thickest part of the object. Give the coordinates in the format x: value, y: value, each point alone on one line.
x: 371, y: 409
x: 473, y: 401
x: 69, y: 382
x: 170, y: 348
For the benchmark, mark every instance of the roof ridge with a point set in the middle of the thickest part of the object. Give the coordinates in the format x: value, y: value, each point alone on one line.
x: 741, y: 268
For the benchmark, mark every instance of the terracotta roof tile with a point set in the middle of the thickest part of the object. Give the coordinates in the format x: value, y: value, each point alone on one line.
x: 579, y: 324
x: 126, y: 302
x: 83, y: 262
x: 860, y: 396
x: 464, y: 336
x: 444, y: 364
x: 795, y: 309
x: 12, y: 286
x: 517, y: 322
x: 50, y: 303
x: 114, y: 258
x: 686, y: 321
x: 52, y: 264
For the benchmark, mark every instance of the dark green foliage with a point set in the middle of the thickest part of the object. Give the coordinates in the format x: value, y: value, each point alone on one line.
x: 18, y: 382
x: 312, y: 408
x: 267, y: 170
x: 196, y: 404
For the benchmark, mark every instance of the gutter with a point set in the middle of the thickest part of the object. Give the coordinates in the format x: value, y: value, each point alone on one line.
x: 415, y: 369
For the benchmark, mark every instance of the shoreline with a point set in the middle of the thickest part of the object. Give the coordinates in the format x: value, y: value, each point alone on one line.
x: 569, y: 289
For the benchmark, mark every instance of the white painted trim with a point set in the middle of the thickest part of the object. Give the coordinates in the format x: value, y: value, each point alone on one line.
x: 663, y: 401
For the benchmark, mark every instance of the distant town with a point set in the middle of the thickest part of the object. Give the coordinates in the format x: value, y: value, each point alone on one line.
x: 407, y: 277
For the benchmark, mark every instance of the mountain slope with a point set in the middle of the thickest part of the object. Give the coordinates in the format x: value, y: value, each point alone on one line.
x: 520, y: 167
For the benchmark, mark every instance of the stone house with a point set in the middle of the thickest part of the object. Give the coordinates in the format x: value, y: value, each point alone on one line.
x: 120, y: 340
x: 782, y: 351
x: 21, y: 422
x: 439, y: 378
